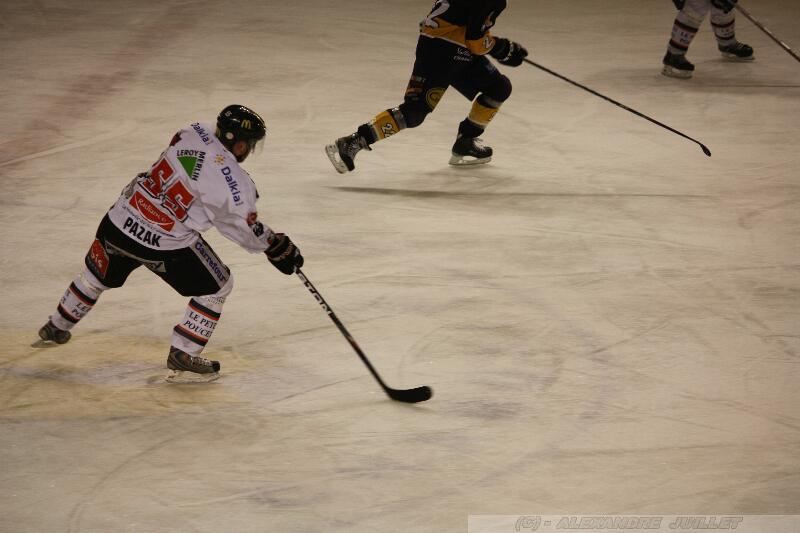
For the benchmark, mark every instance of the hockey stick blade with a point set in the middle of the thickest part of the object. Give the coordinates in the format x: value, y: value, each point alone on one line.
x: 419, y: 394
x: 618, y: 104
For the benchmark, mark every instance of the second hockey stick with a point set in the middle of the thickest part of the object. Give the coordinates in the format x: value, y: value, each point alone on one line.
x: 419, y: 394
x: 623, y: 106
x: 761, y: 27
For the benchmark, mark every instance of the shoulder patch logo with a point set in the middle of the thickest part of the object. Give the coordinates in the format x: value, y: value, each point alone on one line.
x: 192, y: 162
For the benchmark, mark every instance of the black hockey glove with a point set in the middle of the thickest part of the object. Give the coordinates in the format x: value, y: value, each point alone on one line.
x: 679, y: 3
x: 508, y: 52
x: 724, y: 5
x: 283, y: 254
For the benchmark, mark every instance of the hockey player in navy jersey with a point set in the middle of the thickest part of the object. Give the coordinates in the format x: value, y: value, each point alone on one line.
x: 196, y: 183
x: 688, y: 21
x: 452, y: 49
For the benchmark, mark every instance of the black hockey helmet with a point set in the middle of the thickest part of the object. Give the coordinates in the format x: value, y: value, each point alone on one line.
x: 240, y: 123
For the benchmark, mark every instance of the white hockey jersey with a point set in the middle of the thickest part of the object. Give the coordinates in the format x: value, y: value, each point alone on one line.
x: 196, y: 183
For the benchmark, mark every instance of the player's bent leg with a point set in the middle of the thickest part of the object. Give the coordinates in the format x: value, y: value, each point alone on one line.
x: 487, y: 88
x: 200, y: 319
x: 468, y: 148
x: 724, y: 25
x: 103, y: 270
x: 192, y: 333
x: 684, y: 29
x: 426, y: 86
x: 409, y: 114
x: 77, y: 301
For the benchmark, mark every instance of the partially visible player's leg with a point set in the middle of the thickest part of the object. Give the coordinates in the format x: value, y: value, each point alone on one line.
x: 724, y: 25
x: 428, y: 82
x: 78, y: 300
x: 684, y: 29
x: 482, y: 79
x: 103, y: 270
x: 197, y: 272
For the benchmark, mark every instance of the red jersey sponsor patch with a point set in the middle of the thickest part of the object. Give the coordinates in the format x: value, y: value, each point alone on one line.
x: 98, y: 256
x: 151, y: 212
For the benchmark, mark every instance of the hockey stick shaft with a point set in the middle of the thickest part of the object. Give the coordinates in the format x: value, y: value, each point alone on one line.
x: 327, y: 308
x: 415, y: 395
x: 618, y: 104
x: 763, y: 28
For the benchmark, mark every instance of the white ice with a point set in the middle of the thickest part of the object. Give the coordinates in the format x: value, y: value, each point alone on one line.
x: 609, y: 319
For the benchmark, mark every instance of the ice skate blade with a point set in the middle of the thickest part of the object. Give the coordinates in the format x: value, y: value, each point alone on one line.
x: 333, y: 155
x: 671, y: 72
x: 461, y: 161
x: 182, y: 376
x: 734, y: 57
x: 39, y: 343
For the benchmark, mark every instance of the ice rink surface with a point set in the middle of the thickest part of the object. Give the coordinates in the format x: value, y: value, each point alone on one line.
x: 609, y: 319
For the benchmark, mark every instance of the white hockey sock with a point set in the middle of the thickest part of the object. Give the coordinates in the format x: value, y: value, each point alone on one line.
x: 78, y: 300
x: 682, y: 34
x: 199, y: 321
x: 724, y: 28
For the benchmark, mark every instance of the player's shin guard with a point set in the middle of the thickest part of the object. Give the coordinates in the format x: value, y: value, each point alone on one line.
x: 483, y: 111
x: 385, y: 124
x: 724, y: 29
x: 78, y: 300
x: 192, y: 333
x: 468, y: 149
x: 724, y: 25
x: 683, y: 31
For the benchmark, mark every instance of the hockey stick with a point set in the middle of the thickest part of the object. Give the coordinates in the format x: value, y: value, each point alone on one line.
x: 419, y: 394
x: 623, y: 106
x: 761, y: 27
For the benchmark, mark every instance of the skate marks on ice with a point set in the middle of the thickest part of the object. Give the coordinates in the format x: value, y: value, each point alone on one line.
x: 118, y: 131
x: 96, y: 376
x: 99, y: 81
x: 490, y: 196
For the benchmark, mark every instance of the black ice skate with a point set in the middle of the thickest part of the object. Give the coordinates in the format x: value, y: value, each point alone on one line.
x: 737, y: 52
x: 470, y: 151
x: 677, y: 66
x: 50, y: 333
x: 187, y: 368
x: 344, y: 150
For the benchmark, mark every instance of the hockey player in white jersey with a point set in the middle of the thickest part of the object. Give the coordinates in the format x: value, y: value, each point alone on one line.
x: 195, y: 184
x: 690, y: 16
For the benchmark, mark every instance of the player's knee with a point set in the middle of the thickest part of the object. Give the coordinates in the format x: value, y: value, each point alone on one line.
x: 414, y: 113
x: 693, y: 14
x: 218, y: 298
x: 226, y: 289
x: 90, y: 281
x: 500, y: 90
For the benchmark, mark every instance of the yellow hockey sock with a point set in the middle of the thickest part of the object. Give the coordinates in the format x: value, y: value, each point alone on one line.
x: 481, y: 115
